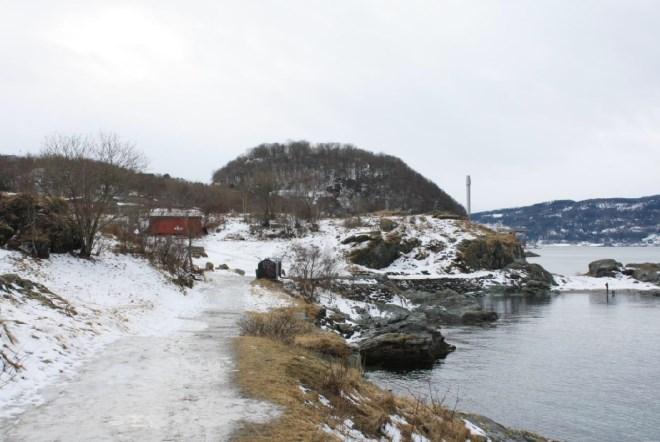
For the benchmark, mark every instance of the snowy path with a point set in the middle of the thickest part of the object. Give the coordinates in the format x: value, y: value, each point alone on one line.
x: 161, y: 388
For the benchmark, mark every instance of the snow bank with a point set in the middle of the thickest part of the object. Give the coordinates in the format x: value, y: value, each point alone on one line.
x: 113, y: 295
x: 582, y: 283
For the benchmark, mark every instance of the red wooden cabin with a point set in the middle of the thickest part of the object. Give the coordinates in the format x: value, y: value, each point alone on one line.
x: 175, y: 222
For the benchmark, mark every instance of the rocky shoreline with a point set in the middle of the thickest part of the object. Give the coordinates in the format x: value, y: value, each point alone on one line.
x: 396, y: 323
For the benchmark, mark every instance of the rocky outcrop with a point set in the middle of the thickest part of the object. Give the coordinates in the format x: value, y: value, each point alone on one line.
x: 499, y: 433
x: 490, y: 252
x: 645, y: 272
x: 381, y: 251
x: 448, y: 307
x: 530, y: 279
x: 604, y: 268
x: 407, y: 343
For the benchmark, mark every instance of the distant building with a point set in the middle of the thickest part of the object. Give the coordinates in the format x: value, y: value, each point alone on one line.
x: 175, y: 222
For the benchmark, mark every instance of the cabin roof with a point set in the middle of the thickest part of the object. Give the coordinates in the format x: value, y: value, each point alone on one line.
x: 177, y: 213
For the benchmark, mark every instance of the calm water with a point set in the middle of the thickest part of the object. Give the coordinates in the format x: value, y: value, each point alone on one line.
x: 571, y: 260
x: 573, y: 367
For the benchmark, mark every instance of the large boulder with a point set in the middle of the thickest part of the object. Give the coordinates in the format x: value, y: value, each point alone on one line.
x: 604, y: 268
x: 491, y: 251
x: 405, y: 344
x: 645, y: 272
x: 532, y: 279
x: 449, y: 307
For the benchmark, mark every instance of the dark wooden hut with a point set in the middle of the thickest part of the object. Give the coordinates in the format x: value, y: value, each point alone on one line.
x: 269, y: 268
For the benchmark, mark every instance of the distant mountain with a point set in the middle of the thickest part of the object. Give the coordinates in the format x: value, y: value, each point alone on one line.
x: 342, y: 177
x: 615, y: 221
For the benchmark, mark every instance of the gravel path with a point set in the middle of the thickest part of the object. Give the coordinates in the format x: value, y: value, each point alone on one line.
x: 171, y: 388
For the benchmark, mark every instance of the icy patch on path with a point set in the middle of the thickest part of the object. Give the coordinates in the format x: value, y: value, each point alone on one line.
x: 174, y: 386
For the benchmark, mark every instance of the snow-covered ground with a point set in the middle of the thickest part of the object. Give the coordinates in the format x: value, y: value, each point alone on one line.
x: 237, y: 247
x: 174, y: 385
x: 113, y: 297
x: 588, y: 283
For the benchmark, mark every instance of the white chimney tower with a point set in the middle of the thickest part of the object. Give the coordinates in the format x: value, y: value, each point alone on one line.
x: 468, y: 183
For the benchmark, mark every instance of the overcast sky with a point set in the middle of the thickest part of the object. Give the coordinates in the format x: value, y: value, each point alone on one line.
x: 536, y: 100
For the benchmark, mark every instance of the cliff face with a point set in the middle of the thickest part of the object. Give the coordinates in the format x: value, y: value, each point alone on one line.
x: 344, y: 178
x: 616, y: 221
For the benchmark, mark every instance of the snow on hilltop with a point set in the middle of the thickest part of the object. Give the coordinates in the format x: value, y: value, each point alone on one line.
x: 614, y: 221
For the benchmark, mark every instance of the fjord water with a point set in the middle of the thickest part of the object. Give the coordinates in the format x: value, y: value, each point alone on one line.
x: 573, y: 260
x: 572, y: 367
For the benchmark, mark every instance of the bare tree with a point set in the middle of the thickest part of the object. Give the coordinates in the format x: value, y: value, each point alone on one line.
x: 264, y: 187
x: 311, y: 186
x: 311, y: 268
x: 90, y: 172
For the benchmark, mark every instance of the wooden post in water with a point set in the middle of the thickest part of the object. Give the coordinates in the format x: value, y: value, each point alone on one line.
x: 607, y: 293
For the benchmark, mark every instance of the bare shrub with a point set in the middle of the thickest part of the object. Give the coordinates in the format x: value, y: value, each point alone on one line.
x: 172, y: 255
x: 327, y: 343
x: 90, y: 172
x: 311, y: 268
x: 279, y: 324
x: 340, y: 377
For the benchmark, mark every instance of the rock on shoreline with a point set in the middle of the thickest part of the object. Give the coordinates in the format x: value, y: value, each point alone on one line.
x: 643, y: 272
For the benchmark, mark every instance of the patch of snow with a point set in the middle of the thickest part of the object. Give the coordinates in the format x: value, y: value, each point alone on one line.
x: 475, y: 430
x: 393, y: 432
x: 351, y: 308
x: 325, y: 401
x: 581, y: 282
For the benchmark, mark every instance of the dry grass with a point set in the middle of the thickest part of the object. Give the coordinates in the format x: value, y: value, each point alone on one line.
x: 274, y: 370
x: 326, y: 343
x: 282, y: 324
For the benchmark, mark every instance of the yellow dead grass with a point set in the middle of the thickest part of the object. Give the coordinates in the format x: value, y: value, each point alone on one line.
x: 275, y: 371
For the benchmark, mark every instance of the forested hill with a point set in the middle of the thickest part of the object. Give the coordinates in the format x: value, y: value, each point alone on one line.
x: 347, y: 179
x: 616, y: 221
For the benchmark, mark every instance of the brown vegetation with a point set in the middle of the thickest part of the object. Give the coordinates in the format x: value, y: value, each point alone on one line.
x: 317, y: 393
x: 491, y: 250
x: 311, y: 268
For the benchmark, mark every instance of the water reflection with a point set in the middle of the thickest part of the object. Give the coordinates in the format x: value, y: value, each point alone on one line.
x: 574, y: 367
x: 512, y: 305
